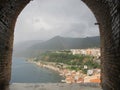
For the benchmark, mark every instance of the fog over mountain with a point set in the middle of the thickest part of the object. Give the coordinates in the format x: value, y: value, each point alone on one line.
x: 34, y: 48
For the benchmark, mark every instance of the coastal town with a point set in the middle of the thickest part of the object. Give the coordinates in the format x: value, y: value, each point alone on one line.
x: 92, y: 75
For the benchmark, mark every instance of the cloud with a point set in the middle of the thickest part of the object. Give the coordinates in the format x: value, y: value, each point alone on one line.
x: 44, y: 19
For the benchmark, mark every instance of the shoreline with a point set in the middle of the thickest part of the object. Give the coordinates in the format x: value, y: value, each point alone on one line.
x: 39, y: 64
x: 71, y: 76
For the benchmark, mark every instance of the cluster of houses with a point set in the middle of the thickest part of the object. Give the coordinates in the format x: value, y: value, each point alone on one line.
x: 93, y: 76
x: 90, y: 51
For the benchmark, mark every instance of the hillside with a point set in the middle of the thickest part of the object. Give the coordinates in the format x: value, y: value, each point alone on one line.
x: 60, y: 43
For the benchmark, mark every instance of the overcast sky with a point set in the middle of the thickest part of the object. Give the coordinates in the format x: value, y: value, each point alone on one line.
x: 44, y: 19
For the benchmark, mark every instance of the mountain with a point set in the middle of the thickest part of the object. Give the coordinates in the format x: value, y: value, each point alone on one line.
x: 60, y: 43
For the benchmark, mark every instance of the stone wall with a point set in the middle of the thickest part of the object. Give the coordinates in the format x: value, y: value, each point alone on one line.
x: 9, y: 11
x: 111, y: 58
x: 108, y: 17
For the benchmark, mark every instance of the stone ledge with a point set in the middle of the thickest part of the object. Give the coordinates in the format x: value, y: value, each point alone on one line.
x: 52, y: 86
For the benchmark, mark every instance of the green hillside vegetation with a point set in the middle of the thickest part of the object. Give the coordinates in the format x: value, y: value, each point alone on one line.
x: 75, y: 62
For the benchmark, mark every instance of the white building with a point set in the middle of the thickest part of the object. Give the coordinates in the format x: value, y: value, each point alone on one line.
x: 89, y: 51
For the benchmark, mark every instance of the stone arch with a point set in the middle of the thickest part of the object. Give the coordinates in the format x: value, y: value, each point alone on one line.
x: 108, y: 19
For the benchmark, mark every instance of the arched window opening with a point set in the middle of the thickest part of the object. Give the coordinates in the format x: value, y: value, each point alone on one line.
x: 59, y: 35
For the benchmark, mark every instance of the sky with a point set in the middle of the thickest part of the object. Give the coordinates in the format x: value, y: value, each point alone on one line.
x: 44, y: 19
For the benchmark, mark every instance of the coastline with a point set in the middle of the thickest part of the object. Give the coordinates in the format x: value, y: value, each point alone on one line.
x: 71, y: 76
x: 48, y: 66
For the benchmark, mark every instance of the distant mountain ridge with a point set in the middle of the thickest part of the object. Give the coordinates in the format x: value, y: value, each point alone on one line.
x: 60, y: 43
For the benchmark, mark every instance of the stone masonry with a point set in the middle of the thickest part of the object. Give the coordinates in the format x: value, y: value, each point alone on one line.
x: 108, y: 19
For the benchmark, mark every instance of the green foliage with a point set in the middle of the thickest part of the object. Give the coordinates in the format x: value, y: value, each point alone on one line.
x: 63, y: 58
x: 75, y: 62
x: 84, y: 71
x: 91, y: 64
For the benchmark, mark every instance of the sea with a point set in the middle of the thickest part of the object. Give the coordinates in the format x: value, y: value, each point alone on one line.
x: 25, y: 72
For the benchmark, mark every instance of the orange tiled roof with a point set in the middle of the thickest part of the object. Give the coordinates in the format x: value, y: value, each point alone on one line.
x: 95, y: 80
